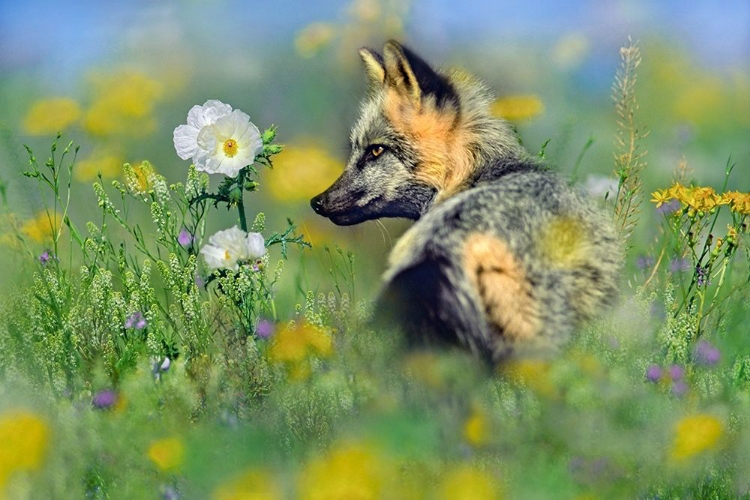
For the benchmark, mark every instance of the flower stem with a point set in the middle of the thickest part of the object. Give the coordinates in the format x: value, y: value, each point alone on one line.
x: 241, y: 201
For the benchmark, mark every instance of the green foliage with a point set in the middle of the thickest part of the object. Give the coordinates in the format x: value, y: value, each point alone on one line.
x: 152, y: 376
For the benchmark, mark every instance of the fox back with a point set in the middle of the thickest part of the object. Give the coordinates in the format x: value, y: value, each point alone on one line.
x: 505, y: 257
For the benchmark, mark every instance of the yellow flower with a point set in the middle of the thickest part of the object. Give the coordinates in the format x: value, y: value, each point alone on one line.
x: 517, y: 108
x: 137, y: 175
x: 250, y: 485
x: 123, y: 103
x: 24, y: 437
x: 533, y: 373
x: 49, y: 116
x: 660, y: 197
x: 677, y: 191
x: 477, y: 430
x: 350, y: 471
x: 296, y: 341
x: 40, y: 229
x: 106, y: 162
x: 302, y: 172
x: 694, y: 435
x: 312, y: 38
x: 168, y: 453
x: 467, y: 483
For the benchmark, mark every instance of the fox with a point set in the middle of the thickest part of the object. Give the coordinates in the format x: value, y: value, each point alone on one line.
x: 505, y: 257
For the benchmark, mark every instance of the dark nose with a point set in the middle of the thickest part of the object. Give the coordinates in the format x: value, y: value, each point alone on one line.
x: 317, y: 204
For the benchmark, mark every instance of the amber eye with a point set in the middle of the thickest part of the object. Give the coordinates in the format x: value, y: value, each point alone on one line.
x: 376, y: 150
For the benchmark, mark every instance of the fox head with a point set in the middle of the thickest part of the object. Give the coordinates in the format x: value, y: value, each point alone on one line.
x: 421, y: 136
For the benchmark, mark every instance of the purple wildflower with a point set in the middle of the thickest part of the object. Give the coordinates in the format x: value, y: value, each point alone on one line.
x: 679, y: 265
x: 169, y: 493
x: 669, y: 207
x: 45, y: 258
x: 199, y: 281
x: 136, y: 320
x: 644, y: 261
x: 676, y: 372
x: 701, y: 276
x: 679, y: 388
x: 653, y: 373
x: 706, y: 353
x: 184, y: 238
x: 264, y: 329
x: 104, y: 399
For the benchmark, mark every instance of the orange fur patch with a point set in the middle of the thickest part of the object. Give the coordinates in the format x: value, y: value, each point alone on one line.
x: 502, y: 286
x: 446, y: 161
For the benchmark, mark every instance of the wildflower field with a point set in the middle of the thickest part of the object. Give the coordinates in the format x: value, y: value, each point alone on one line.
x: 177, y: 323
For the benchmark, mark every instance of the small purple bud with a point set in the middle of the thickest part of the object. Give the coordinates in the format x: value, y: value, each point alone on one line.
x: 136, y: 320
x: 45, y: 257
x: 706, y: 353
x: 653, y: 373
x: 104, y: 399
x: 676, y: 372
x: 184, y: 238
x: 264, y: 329
x: 644, y: 262
x: 199, y: 282
x: 679, y: 388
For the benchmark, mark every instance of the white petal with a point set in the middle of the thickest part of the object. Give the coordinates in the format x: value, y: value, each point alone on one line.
x: 195, y: 117
x: 216, y: 258
x: 207, y: 139
x: 202, y: 161
x: 256, y: 245
x: 185, y: 141
x: 213, y: 110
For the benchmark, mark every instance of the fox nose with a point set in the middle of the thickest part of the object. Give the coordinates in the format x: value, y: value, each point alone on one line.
x: 317, y: 204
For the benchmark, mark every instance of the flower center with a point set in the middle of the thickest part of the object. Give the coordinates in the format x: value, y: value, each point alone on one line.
x: 230, y: 147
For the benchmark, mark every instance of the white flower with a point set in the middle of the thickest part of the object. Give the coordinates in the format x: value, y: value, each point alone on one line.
x: 226, y: 249
x: 218, y: 139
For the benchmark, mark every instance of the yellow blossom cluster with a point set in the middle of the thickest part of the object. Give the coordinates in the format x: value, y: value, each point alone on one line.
x: 702, y: 198
x: 50, y: 116
x: 24, y: 437
x: 296, y: 343
x: 42, y: 226
x: 694, y: 435
x: 168, y: 453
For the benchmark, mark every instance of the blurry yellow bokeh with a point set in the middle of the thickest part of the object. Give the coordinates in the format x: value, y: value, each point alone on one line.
x: 694, y: 435
x: 249, y: 485
x: 517, y: 107
x: 50, y: 116
x: 465, y: 482
x: 105, y: 161
x: 301, y: 172
x: 24, y: 438
x: 123, y: 103
x: 168, y: 453
x: 40, y: 229
x: 349, y: 471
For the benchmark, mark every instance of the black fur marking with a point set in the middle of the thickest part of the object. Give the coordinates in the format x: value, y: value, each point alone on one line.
x: 430, y: 81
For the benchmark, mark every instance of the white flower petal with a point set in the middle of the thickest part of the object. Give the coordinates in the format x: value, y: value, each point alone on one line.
x: 213, y: 110
x: 185, y: 141
x: 256, y: 245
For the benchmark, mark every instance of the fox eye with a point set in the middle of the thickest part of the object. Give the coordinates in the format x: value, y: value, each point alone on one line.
x: 376, y: 150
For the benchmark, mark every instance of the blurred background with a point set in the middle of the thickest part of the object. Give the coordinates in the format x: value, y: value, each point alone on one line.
x: 118, y: 77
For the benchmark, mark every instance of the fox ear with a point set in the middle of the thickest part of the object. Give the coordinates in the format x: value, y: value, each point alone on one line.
x: 374, y: 68
x: 399, y: 73
x: 410, y: 75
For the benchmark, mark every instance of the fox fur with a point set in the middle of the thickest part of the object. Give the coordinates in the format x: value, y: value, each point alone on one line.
x: 505, y: 257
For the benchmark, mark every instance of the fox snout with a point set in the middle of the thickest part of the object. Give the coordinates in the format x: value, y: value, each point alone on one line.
x: 338, y: 204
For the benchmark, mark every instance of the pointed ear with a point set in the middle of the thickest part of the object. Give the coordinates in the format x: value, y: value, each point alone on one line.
x: 374, y: 67
x: 398, y: 72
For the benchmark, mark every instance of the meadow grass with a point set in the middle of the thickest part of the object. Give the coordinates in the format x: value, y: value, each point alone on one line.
x: 130, y: 369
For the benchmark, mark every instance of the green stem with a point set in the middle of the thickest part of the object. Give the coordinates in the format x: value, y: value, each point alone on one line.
x: 241, y: 202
